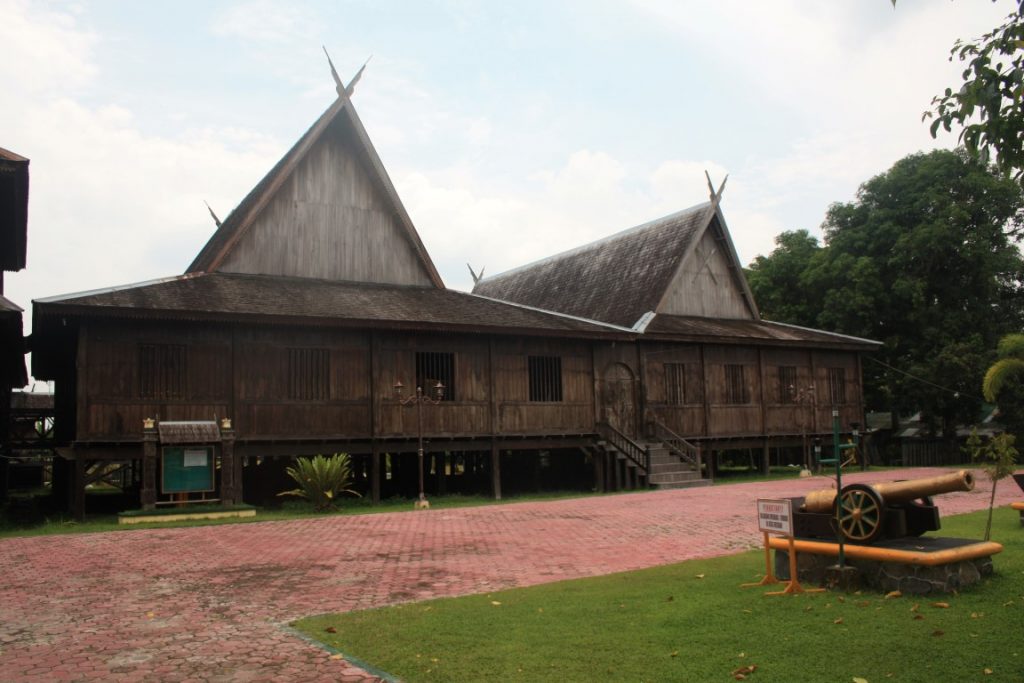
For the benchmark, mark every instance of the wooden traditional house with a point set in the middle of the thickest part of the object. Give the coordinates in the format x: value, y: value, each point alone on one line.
x: 316, y: 296
x: 13, y: 238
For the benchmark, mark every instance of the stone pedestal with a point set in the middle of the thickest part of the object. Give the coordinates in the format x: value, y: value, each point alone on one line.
x: 909, y: 579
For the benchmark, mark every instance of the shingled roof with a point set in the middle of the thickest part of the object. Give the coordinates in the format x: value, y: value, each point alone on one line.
x: 282, y: 300
x: 691, y: 328
x: 615, y: 280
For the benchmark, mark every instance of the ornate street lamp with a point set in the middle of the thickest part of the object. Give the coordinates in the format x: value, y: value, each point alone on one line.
x: 419, y: 399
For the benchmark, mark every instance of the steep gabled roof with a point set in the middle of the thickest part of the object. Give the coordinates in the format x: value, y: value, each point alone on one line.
x: 616, y: 280
x: 341, y: 113
x: 305, y: 301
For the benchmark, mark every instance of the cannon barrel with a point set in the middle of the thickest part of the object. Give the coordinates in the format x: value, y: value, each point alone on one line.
x: 897, y: 491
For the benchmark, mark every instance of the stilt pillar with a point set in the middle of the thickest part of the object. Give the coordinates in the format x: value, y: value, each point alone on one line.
x: 495, y: 471
x: 230, y: 470
x: 375, y: 474
x: 148, y: 490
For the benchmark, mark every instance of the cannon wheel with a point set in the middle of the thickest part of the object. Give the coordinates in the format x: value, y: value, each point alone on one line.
x: 860, y: 509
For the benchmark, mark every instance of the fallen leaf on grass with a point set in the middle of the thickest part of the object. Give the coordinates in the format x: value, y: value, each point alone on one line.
x: 893, y: 594
x: 701, y: 576
x: 337, y: 657
x: 741, y: 673
x: 331, y: 629
x: 915, y: 607
x: 938, y: 632
x: 670, y: 598
x: 841, y: 599
x: 864, y: 603
x: 941, y: 605
x: 987, y: 671
x: 674, y: 653
x: 495, y: 603
x: 977, y: 615
x: 1007, y: 604
x: 838, y: 621
x: 918, y: 617
x: 808, y: 608
x: 858, y: 679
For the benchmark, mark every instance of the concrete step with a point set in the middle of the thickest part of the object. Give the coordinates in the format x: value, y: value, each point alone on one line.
x: 681, y: 484
x: 670, y: 477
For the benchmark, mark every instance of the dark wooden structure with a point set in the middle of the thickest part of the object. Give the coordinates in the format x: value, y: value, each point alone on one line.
x: 13, y: 238
x: 624, y: 360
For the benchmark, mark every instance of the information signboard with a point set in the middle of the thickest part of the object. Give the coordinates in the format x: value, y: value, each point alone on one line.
x: 187, y: 469
x: 775, y: 516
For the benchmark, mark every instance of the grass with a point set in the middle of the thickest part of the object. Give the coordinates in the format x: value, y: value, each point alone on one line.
x: 692, y: 622
x: 289, y: 510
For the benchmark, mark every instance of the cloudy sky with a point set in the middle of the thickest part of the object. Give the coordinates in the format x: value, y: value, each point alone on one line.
x: 512, y: 130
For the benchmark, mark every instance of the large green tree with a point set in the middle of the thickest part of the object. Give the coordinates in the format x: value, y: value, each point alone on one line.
x: 924, y: 260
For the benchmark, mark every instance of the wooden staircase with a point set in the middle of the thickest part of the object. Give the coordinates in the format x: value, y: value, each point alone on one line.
x: 650, y: 463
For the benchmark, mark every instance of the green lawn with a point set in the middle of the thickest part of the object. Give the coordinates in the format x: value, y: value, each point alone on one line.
x: 292, y: 509
x: 692, y: 622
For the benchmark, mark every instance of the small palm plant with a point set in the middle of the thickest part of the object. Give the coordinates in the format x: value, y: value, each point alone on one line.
x: 1010, y: 364
x: 321, y: 479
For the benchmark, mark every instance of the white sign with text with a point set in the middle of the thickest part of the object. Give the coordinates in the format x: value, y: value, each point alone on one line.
x: 775, y: 516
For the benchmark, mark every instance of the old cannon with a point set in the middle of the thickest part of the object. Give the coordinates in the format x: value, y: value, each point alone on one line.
x: 871, y: 512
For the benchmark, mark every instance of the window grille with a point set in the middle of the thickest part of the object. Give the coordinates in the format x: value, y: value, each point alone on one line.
x: 308, y: 374
x: 837, y: 385
x: 545, y: 378
x: 787, y: 384
x: 433, y: 367
x: 162, y: 370
x: 736, y: 391
x: 675, y: 384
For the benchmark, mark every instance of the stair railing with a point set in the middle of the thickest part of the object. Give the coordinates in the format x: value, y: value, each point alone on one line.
x: 634, y: 452
x: 679, y: 446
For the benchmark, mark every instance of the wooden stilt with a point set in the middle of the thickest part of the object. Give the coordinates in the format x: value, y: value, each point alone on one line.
x: 375, y: 471
x: 495, y: 471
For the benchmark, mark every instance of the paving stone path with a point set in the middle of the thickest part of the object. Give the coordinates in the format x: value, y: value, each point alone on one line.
x: 213, y: 603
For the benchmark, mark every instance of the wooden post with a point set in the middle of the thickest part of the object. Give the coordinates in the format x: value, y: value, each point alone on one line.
x: 495, y: 470
x: 765, y: 457
x: 78, y: 489
x: 440, y: 465
x: 148, y: 491
x: 230, y: 470
x: 375, y: 473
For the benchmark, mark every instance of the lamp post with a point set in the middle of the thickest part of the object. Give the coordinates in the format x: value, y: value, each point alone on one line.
x: 419, y: 399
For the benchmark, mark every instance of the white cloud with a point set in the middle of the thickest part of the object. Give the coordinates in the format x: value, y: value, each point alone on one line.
x: 109, y: 204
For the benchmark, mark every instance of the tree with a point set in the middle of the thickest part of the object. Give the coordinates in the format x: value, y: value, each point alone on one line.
x: 1004, y: 382
x: 989, y: 106
x: 774, y: 278
x: 925, y: 261
x: 998, y: 458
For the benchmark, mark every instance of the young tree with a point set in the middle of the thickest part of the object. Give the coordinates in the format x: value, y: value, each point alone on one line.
x: 998, y: 458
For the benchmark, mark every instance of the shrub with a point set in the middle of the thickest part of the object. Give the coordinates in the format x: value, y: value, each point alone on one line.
x: 321, y: 479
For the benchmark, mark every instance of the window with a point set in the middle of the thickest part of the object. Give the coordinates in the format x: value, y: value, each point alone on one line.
x: 433, y: 367
x: 675, y: 384
x: 735, y: 385
x: 162, y: 371
x: 308, y: 374
x: 545, y: 378
x: 837, y: 385
x: 787, y: 384
x: 684, y: 384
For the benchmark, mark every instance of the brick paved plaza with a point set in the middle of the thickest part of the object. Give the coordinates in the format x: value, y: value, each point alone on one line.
x: 212, y: 603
